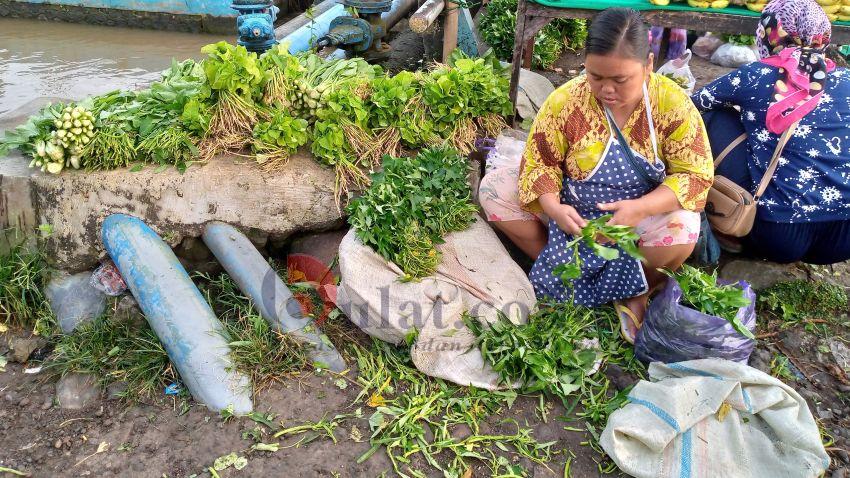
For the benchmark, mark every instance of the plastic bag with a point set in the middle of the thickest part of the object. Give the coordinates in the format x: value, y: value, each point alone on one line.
x: 734, y: 56
x: 108, y: 280
x: 505, y: 153
x: 74, y: 301
x: 680, y: 71
x: 706, y: 45
x: 672, y: 332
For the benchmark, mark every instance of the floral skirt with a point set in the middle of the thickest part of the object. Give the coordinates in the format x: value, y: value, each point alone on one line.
x: 499, y: 197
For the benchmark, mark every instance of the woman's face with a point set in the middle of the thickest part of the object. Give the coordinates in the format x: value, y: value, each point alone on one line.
x: 617, y: 81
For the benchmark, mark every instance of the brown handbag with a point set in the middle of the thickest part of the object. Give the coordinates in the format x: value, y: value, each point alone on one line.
x: 731, y: 209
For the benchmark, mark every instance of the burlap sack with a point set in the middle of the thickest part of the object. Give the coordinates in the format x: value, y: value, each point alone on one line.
x: 476, y: 275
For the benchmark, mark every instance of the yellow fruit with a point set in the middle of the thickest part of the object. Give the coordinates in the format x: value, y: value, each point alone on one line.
x: 832, y: 9
x: 827, y: 3
x: 756, y: 7
x: 845, y: 11
x: 661, y: 3
x: 832, y: 17
x: 720, y: 4
x: 698, y: 4
x: 844, y: 18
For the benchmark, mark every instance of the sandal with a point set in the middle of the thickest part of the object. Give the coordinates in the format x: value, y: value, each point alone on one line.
x: 628, y: 322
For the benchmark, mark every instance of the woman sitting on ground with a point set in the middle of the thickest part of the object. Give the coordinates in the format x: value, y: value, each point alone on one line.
x: 655, y: 178
x: 804, y: 214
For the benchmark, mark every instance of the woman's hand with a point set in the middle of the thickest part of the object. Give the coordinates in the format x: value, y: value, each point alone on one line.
x: 626, y: 213
x: 566, y: 216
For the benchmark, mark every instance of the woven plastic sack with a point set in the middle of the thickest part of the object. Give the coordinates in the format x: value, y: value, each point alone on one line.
x: 476, y: 275
x: 714, y: 418
x: 672, y: 332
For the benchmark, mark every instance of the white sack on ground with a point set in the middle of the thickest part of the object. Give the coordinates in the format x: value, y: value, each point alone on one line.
x: 476, y: 274
x: 714, y: 418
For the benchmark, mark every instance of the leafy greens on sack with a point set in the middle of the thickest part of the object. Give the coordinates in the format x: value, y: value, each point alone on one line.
x: 701, y: 291
x: 410, y: 205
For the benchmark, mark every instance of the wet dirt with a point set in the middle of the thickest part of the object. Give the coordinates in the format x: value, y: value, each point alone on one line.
x: 166, y: 439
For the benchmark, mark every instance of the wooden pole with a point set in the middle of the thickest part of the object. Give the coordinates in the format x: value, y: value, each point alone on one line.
x: 425, y: 15
x: 450, y: 30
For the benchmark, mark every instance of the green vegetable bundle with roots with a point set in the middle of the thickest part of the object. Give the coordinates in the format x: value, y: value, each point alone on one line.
x: 411, y: 204
x: 234, y: 81
x: 277, y: 139
x: 498, y: 28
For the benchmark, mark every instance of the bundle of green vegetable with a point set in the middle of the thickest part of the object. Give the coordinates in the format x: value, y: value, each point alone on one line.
x: 592, y: 235
x: 463, y: 90
x: 275, y: 140
x: 701, y: 291
x: 741, y: 40
x: 410, y: 205
x: 234, y: 81
x: 498, y: 28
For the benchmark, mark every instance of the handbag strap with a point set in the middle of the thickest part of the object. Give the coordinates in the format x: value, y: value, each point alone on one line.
x: 774, y: 162
x: 734, y: 144
x: 627, y: 150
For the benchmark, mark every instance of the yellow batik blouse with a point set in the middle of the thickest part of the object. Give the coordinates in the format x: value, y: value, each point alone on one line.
x: 570, y: 133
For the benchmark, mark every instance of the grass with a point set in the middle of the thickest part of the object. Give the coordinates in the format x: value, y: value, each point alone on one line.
x: 257, y: 350
x: 116, y: 351
x: 814, y: 305
x: 23, y: 275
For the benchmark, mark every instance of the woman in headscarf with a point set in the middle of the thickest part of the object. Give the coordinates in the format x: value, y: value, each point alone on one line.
x: 804, y: 214
x: 618, y: 140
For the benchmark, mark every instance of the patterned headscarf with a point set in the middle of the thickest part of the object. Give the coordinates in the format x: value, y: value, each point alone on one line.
x: 793, y: 35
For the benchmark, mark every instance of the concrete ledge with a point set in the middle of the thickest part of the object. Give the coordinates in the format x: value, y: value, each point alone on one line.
x: 114, y: 17
x: 299, y: 198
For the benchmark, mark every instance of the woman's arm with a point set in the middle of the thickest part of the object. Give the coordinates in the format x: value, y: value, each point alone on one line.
x: 542, y: 162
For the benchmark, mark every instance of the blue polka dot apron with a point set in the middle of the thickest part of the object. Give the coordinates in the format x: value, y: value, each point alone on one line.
x: 615, y: 178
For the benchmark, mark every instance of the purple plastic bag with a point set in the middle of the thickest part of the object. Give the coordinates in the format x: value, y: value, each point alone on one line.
x: 672, y: 332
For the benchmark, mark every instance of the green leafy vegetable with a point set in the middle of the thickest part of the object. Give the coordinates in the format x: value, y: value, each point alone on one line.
x: 498, y: 28
x: 595, y: 231
x: 410, y: 205
x: 702, y: 292
x: 277, y: 139
x: 742, y: 40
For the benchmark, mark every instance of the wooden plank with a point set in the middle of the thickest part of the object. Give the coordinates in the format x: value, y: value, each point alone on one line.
x: 519, y: 44
x: 450, y: 30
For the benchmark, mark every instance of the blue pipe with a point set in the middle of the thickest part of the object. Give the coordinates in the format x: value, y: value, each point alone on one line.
x: 302, y: 39
x: 273, y: 300
x: 178, y: 314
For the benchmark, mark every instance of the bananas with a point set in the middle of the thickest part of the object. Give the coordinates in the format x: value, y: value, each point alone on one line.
x: 828, y: 3
x: 698, y: 4
x: 756, y: 7
x: 720, y: 4
x: 707, y: 3
x: 832, y: 9
x: 660, y: 3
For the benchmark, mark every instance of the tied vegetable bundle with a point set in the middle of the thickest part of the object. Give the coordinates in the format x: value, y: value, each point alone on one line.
x: 498, y: 28
x: 349, y: 113
x: 113, y: 130
x: 411, y: 205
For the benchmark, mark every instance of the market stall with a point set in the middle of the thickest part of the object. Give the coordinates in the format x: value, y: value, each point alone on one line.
x: 532, y: 16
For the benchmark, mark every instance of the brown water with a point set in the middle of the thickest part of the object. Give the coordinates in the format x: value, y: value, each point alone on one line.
x: 72, y: 61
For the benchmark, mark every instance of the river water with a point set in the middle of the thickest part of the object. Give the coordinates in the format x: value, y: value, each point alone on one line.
x: 72, y: 61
